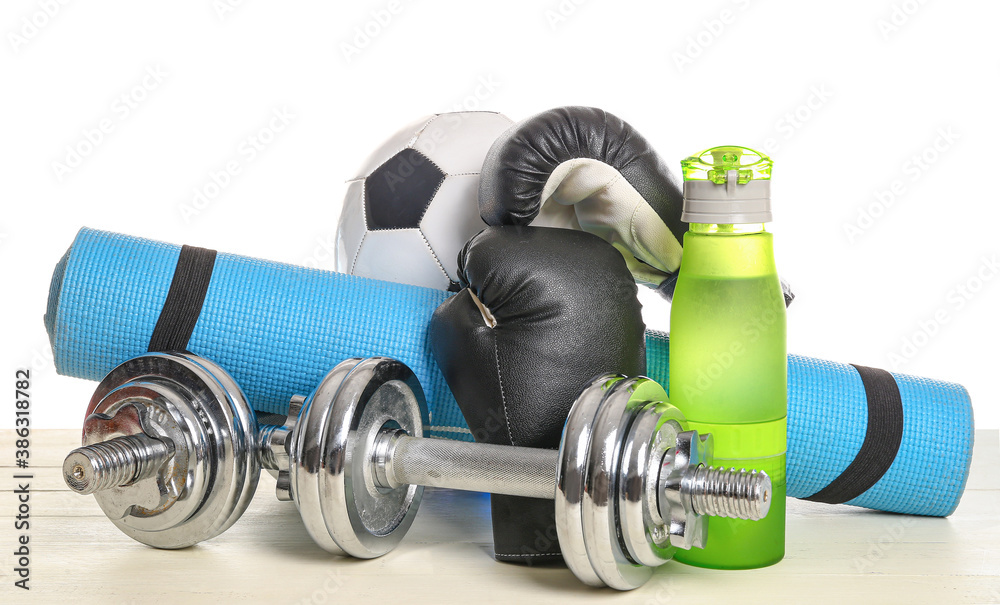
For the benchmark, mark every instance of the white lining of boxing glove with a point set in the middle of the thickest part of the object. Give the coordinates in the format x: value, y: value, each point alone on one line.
x: 488, y: 318
x: 592, y: 196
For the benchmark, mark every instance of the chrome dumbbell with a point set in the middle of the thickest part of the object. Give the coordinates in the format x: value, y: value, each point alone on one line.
x: 169, y: 450
x: 629, y: 484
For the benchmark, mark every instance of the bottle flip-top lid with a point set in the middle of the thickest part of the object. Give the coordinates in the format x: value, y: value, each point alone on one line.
x: 727, y: 184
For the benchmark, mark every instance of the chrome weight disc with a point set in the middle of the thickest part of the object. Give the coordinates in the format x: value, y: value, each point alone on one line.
x: 614, y: 440
x: 645, y: 534
x: 571, y: 478
x: 195, y: 407
x: 331, y: 455
x: 600, y: 502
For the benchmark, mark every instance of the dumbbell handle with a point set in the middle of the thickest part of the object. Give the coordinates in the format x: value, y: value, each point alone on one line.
x: 400, y: 459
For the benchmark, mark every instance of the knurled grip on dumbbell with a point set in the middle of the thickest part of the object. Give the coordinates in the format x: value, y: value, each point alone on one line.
x: 480, y: 467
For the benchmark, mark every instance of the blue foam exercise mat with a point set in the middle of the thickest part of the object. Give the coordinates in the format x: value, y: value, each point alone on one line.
x: 828, y: 421
x: 279, y: 328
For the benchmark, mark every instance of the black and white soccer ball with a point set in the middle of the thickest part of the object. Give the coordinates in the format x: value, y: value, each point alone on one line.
x: 408, y: 215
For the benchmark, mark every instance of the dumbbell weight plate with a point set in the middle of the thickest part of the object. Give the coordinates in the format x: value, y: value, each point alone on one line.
x: 600, y: 507
x: 654, y: 430
x: 196, y: 495
x: 331, y: 457
x: 571, y: 479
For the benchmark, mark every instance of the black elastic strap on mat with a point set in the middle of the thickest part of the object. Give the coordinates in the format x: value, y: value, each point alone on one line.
x: 882, y: 439
x: 184, y: 300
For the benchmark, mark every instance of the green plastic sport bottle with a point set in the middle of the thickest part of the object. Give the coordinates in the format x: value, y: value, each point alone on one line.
x: 727, y: 342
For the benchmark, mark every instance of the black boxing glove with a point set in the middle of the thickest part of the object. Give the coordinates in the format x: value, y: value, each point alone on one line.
x: 542, y: 312
x: 584, y: 168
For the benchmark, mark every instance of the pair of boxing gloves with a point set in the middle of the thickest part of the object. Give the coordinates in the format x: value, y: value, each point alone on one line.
x: 543, y: 310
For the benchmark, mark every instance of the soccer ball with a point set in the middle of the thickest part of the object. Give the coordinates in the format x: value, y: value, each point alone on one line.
x: 416, y: 203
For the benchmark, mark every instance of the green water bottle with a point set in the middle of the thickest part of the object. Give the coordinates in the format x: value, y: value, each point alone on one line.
x: 727, y: 342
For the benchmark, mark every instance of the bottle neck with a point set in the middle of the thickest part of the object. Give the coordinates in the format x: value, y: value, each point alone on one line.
x: 727, y: 228
x: 727, y: 250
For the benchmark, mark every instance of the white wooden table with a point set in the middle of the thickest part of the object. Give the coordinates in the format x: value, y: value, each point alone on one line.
x: 835, y: 554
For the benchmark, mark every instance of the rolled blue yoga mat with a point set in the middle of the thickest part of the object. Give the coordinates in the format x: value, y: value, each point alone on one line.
x: 828, y: 424
x: 279, y: 328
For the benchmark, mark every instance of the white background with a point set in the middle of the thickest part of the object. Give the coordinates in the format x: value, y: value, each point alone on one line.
x: 842, y: 94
